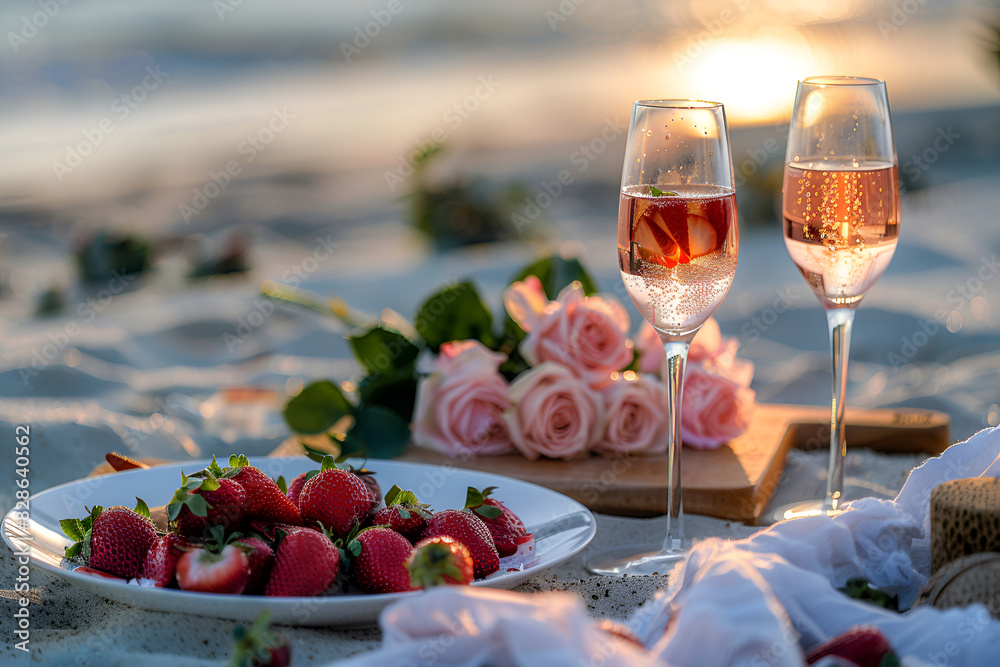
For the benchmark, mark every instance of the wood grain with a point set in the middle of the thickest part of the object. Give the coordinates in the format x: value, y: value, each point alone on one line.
x: 732, y: 482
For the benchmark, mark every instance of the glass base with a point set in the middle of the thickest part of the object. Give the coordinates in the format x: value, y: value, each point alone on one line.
x: 621, y: 562
x: 800, y: 510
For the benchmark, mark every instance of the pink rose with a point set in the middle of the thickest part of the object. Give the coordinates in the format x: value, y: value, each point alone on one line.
x: 726, y: 364
x: 587, y: 334
x: 715, y: 409
x: 553, y: 413
x: 637, y: 417
x: 707, y: 343
x: 460, y: 405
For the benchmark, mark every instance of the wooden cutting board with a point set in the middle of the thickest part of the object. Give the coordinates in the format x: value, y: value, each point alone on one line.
x: 732, y: 482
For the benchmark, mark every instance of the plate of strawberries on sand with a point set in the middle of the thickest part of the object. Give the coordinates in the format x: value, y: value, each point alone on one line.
x: 315, y: 542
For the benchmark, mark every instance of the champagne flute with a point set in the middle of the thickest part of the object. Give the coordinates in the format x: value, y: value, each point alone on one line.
x: 840, y: 204
x: 677, y: 246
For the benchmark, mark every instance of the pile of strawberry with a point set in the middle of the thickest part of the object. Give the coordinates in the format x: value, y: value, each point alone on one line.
x: 235, y: 530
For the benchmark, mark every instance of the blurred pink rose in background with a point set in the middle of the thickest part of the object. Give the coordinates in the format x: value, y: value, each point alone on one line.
x: 460, y: 405
x: 707, y: 343
x: 553, y: 413
x: 586, y: 334
x: 636, y: 417
x: 715, y: 409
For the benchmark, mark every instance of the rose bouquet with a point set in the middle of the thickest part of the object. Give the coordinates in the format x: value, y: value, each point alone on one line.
x: 562, y: 379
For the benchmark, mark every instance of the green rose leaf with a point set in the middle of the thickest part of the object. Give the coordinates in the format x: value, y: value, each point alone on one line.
x: 454, y: 313
x: 317, y: 408
x: 396, y: 390
x: 381, y: 350
x: 378, y: 432
x: 556, y: 273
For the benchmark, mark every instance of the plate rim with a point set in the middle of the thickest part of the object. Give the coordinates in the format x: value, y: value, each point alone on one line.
x: 93, y: 584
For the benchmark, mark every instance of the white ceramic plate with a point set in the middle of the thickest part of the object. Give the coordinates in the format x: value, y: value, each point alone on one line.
x: 561, y: 527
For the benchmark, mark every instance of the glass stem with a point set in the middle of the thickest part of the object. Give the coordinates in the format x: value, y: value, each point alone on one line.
x: 839, y: 321
x: 673, y: 377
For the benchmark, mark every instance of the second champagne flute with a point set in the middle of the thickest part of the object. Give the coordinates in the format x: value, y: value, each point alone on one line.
x: 677, y: 247
x: 840, y: 204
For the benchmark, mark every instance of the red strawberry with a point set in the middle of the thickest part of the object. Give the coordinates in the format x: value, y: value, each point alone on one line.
x: 264, y: 498
x: 403, y: 513
x: 702, y: 236
x: 864, y: 645
x: 306, y: 563
x: 335, y: 499
x: 470, y: 531
x: 161, y: 562
x: 203, y: 502
x: 113, y: 540
x: 260, y: 557
x: 440, y: 560
x: 654, y: 244
x: 671, y: 218
x: 259, y: 646
x: 379, y: 566
x: 374, y: 489
x: 295, y: 488
x: 206, y: 571
x: 507, y: 529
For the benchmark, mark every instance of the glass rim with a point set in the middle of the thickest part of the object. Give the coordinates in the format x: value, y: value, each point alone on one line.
x: 678, y: 104
x: 838, y: 80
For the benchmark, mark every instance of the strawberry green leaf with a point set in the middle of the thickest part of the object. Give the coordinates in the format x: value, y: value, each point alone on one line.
x: 318, y: 407
x: 403, y: 512
x: 488, y: 511
x: 381, y: 349
x: 141, y: 507
x: 73, y: 551
x: 473, y: 497
x: 327, y: 463
x: 556, y: 272
x: 210, y: 483
x: 488, y: 491
x: 73, y: 529
x: 354, y: 547
x: 454, y: 313
x: 214, y: 468
x: 282, y: 484
x: 391, y: 494
x: 197, y: 505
